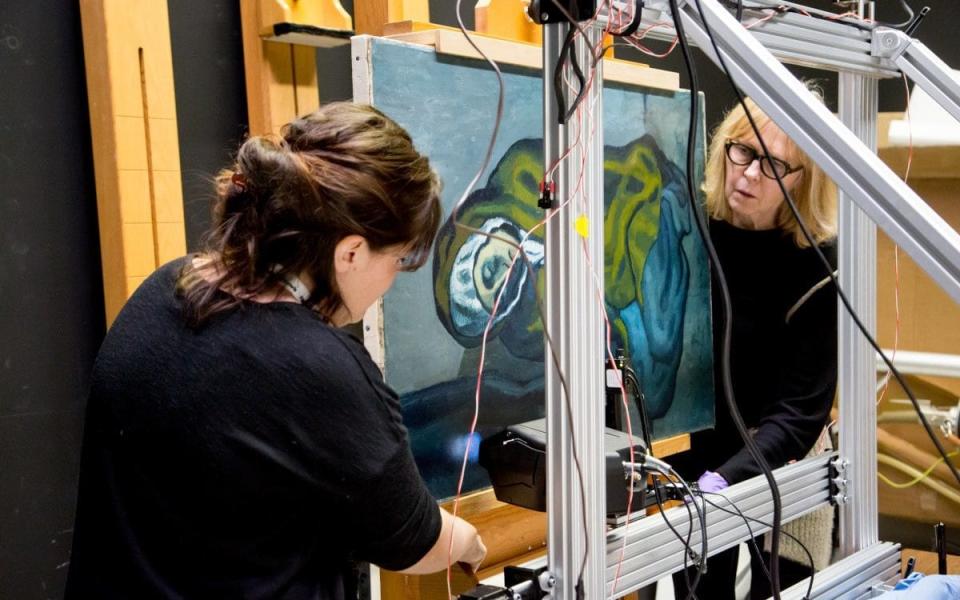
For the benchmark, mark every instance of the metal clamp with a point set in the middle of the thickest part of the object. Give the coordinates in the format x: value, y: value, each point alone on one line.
x: 547, y: 581
x: 838, y: 481
x: 889, y: 43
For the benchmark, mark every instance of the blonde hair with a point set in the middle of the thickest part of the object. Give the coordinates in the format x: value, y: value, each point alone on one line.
x: 815, y: 194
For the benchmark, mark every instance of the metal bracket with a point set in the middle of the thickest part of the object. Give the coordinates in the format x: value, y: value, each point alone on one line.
x: 889, y: 43
x: 921, y: 65
x: 838, y: 481
x: 547, y: 580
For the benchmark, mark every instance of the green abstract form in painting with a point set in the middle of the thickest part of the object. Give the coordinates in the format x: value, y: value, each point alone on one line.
x: 642, y: 189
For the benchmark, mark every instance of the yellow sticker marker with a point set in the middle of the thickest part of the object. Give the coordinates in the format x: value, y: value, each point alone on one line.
x: 582, y: 225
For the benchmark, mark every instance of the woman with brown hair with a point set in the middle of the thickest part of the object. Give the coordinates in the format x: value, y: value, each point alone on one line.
x: 783, y: 351
x: 238, y: 443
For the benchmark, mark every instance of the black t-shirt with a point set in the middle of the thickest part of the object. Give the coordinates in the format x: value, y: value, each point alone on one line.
x: 783, y: 352
x: 255, y: 457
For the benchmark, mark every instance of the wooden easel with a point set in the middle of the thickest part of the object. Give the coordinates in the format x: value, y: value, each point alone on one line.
x: 281, y: 77
x: 136, y: 156
x: 513, y: 535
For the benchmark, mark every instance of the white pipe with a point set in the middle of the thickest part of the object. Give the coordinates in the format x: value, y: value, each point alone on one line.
x: 923, y: 363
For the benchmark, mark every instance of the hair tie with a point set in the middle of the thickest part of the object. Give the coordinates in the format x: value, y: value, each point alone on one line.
x: 240, y: 181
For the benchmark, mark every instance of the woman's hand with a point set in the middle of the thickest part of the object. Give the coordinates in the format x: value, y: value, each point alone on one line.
x: 466, y: 547
x: 476, y: 551
x: 712, y: 482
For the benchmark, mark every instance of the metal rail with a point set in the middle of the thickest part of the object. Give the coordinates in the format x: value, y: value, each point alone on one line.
x: 575, y: 317
x: 844, y: 150
x: 653, y: 551
x: 853, y: 578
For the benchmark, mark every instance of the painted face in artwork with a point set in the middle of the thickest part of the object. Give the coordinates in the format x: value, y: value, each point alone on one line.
x: 750, y: 186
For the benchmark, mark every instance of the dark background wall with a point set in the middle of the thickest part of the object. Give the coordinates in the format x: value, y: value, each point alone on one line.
x: 211, y: 98
x: 51, y: 308
x: 50, y: 289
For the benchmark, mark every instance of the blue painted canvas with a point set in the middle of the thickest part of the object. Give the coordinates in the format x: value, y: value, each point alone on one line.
x: 656, y: 272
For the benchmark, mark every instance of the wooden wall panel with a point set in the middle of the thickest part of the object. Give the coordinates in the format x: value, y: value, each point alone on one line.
x: 372, y: 15
x: 133, y: 122
x: 506, y: 19
x: 282, y: 78
x: 929, y: 319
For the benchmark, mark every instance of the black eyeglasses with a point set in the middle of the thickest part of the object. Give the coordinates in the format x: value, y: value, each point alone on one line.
x: 743, y: 155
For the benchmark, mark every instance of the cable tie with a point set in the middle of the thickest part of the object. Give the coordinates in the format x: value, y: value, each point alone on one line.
x: 547, y: 190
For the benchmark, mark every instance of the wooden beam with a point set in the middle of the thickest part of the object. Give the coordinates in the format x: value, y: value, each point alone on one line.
x: 506, y: 19
x: 133, y: 122
x: 281, y: 79
x: 513, y: 535
x: 529, y: 55
x: 400, y: 27
x: 328, y: 14
x: 373, y: 15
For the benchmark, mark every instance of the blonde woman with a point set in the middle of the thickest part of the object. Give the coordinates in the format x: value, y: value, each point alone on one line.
x: 238, y: 443
x: 784, y: 344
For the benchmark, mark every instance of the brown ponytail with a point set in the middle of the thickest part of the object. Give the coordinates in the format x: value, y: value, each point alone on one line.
x: 346, y: 169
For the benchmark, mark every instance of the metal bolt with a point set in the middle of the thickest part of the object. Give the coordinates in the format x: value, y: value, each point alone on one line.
x: 544, y: 17
x: 547, y: 581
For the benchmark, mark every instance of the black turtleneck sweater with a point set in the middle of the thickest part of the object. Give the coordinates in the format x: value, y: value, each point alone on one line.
x: 783, y: 352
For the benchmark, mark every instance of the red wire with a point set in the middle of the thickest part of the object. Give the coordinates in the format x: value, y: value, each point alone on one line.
x: 896, y: 249
x: 476, y: 407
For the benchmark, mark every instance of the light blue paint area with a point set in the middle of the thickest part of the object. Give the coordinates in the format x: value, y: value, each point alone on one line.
x: 458, y: 446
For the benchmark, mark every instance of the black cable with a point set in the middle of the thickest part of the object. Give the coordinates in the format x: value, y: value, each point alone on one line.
x: 909, y: 11
x: 558, y: 78
x: 701, y: 515
x: 753, y: 539
x: 634, y: 23
x: 747, y: 520
x: 909, y: 19
x: 565, y: 115
x: 912, y: 27
x: 631, y: 380
x: 688, y: 551
x: 575, y: 65
x: 726, y: 375
x: 829, y: 268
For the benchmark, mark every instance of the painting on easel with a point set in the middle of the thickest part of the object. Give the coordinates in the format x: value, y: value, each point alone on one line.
x: 655, y: 270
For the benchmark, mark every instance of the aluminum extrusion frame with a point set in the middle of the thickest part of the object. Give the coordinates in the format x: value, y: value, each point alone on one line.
x: 575, y: 318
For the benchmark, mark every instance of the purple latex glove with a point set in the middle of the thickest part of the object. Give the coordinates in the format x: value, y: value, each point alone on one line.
x: 712, y: 482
